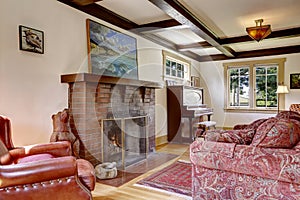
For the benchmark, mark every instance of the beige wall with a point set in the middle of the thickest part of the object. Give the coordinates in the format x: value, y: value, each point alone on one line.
x: 30, y: 83
x: 213, y: 75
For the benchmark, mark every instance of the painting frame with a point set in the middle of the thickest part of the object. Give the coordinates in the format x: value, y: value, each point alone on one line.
x: 31, y: 39
x: 111, y: 52
x: 295, y: 81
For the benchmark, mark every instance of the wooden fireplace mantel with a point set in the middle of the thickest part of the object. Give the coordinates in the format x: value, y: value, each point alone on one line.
x: 88, y: 77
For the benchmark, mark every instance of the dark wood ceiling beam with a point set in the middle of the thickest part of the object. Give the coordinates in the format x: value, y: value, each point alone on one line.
x: 159, y: 26
x: 174, y: 9
x: 84, y: 2
x: 254, y: 53
x: 104, y: 14
x: 286, y: 33
x: 269, y: 52
x: 169, y: 23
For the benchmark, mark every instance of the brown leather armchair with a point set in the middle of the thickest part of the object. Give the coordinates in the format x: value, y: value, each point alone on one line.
x: 42, y: 171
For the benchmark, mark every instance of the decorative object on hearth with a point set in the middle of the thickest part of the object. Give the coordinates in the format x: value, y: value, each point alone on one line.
x: 106, y: 170
x: 259, y: 31
x: 110, y: 52
x: 295, y: 81
x: 281, y: 89
x: 31, y: 39
x: 131, y: 172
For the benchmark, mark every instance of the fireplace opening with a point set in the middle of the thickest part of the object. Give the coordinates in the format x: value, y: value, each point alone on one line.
x: 125, y: 140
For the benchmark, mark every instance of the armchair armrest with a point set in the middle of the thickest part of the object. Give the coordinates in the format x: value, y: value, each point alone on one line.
x: 38, y: 171
x: 57, y: 149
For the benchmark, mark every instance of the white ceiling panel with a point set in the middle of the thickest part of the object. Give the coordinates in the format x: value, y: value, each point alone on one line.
x: 138, y: 11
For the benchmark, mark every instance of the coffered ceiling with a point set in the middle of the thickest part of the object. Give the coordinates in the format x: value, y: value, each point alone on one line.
x: 204, y: 30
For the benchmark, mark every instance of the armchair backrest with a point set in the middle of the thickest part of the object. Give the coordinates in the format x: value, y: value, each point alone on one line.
x: 5, y: 132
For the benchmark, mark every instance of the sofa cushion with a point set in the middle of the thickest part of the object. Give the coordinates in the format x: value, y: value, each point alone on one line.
x: 243, y: 136
x: 288, y: 115
x: 277, y: 133
x: 253, y: 125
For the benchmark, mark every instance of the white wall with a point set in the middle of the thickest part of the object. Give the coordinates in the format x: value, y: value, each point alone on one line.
x: 30, y: 83
x: 213, y: 75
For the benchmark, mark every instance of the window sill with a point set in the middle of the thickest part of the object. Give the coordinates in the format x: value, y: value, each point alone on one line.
x: 251, y: 110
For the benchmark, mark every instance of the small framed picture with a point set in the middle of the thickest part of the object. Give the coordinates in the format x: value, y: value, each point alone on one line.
x: 31, y: 39
x: 295, y: 81
x: 195, y: 81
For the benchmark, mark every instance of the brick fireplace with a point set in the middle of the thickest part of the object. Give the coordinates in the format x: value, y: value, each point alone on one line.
x: 95, y: 99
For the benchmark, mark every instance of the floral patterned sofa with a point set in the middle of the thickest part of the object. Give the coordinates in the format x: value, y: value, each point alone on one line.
x: 256, y: 161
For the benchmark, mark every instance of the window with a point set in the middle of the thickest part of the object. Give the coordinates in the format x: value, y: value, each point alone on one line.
x: 176, y: 68
x: 239, y: 86
x: 266, y: 85
x: 252, y: 85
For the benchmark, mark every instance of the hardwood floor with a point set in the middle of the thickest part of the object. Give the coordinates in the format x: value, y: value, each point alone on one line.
x: 130, y: 192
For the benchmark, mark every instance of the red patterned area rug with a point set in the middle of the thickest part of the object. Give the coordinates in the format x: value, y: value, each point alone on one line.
x: 153, y: 160
x: 176, y: 178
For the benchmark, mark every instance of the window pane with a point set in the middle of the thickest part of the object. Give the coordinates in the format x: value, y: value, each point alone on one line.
x: 260, y: 91
x: 168, y: 63
x: 271, y: 91
x: 168, y: 71
x: 173, y: 65
x: 239, y: 86
x: 266, y: 85
x: 173, y: 72
x: 272, y: 70
x: 179, y: 66
x: 244, y: 91
x: 260, y: 70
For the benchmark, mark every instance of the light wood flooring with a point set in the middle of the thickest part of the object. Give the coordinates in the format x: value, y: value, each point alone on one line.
x: 130, y: 192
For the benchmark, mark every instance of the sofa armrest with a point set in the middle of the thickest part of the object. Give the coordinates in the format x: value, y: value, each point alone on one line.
x: 38, y: 171
x: 57, y: 149
x: 271, y: 163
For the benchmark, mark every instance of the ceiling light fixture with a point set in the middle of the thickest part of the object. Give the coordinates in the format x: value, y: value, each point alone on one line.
x: 260, y: 31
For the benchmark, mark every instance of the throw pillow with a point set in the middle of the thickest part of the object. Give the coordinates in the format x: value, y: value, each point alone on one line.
x: 288, y: 115
x: 277, y: 133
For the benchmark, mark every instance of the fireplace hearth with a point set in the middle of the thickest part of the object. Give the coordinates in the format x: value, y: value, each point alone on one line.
x: 114, y: 118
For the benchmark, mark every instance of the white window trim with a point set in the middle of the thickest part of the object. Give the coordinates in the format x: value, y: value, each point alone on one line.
x: 251, y: 64
x: 179, y: 59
